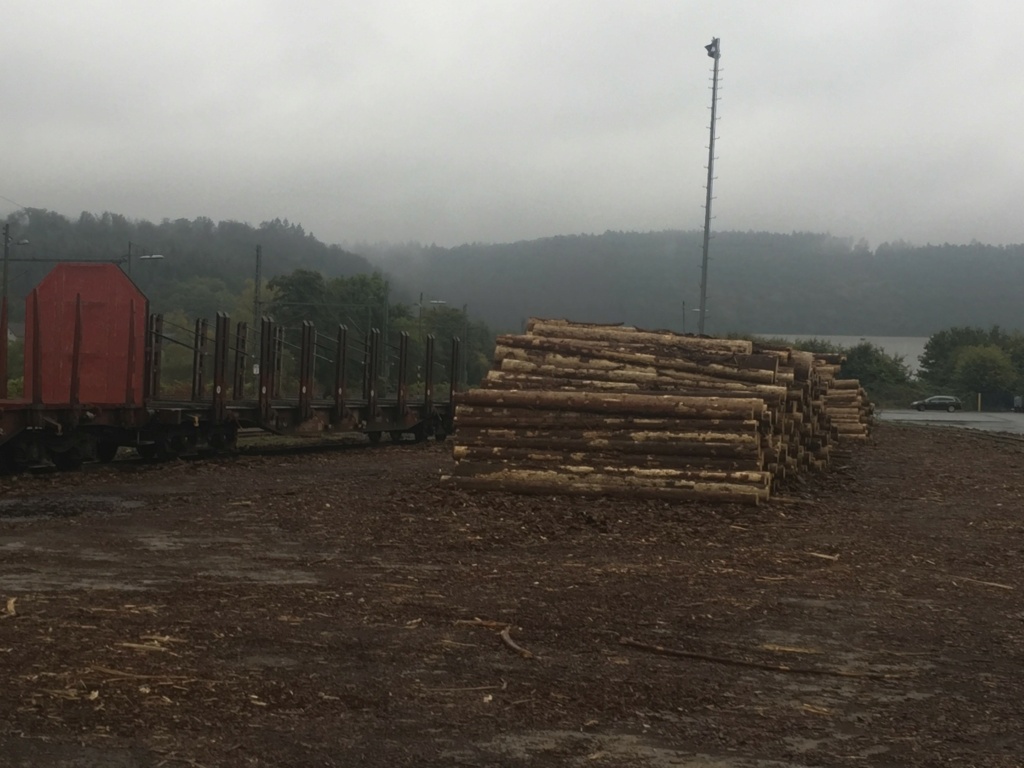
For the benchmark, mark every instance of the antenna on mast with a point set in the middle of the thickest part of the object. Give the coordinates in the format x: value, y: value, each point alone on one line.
x: 714, y: 51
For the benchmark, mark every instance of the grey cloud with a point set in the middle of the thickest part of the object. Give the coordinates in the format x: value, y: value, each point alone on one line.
x: 453, y: 121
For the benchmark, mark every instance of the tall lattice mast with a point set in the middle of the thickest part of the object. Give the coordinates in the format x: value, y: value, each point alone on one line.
x: 715, y: 52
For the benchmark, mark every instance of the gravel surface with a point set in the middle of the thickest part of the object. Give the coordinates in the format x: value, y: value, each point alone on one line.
x: 350, y: 609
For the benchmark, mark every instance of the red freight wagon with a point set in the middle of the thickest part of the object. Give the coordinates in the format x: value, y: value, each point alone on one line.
x: 92, y: 379
x: 91, y: 336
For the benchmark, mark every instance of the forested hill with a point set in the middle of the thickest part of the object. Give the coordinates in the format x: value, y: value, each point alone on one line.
x: 758, y: 282
x: 204, y: 264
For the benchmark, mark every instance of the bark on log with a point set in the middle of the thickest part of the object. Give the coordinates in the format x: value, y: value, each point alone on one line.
x: 849, y: 428
x: 659, y: 437
x: 497, y: 417
x: 540, y: 327
x: 576, y: 354
x: 719, y: 449
x: 503, y: 380
x: 518, y: 456
x: 555, y: 484
x: 588, y: 402
x: 846, y: 384
x: 573, y: 470
x: 643, y: 377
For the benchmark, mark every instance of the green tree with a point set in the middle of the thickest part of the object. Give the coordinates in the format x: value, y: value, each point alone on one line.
x: 302, y: 295
x: 938, y: 362
x: 197, y: 297
x: 359, y: 301
x: 873, y: 366
x: 985, y: 369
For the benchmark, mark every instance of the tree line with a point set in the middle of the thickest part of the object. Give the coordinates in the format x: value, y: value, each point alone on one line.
x: 798, y: 283
x: 759, y: 282
x: 965, y: 361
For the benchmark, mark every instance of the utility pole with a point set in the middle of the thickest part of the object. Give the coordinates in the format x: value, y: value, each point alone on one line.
x: 7, y: 256
x: 385, y: 321
x: 256, y: 306
x: 7, y: 253
x: 465, y: 346
x: 714, y: 51
x: 3, y: 318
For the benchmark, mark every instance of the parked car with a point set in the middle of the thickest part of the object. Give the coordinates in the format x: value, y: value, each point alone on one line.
x: 938, y: 403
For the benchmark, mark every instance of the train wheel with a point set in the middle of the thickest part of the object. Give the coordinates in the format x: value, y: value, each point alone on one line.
x: 147, y: 451
x: 223, y: 440
x: 396, y: 436
x: 106, y: 450
x: 374, y: 437
x: 67, y: 461
x: 8, y: 464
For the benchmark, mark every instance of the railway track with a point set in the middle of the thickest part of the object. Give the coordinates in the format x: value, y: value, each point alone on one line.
x: 253, y: 443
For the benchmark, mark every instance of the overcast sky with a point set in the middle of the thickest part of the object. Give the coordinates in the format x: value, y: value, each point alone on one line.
x: 451, y: 121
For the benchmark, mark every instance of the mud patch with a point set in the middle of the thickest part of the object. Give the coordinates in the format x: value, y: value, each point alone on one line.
x: 27, y: 752
x: 34, y: 582
x: 579, y: 749
x: 30, y: 508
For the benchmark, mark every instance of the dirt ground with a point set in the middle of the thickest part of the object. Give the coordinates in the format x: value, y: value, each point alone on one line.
x: 348, y: 609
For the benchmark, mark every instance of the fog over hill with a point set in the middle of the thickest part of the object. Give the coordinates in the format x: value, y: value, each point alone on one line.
x: 800, y: 283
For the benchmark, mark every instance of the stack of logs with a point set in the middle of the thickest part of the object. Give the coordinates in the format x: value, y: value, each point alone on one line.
x: 597, y: 410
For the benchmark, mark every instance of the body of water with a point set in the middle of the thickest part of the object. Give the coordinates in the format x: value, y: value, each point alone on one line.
x: 910, y: 348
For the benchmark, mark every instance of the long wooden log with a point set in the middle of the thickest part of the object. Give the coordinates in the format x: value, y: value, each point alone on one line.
x: 497, y: 417
x: 522, y: 381
x: 841, y: 430
x: 844, y: 413
x: 704, y: 356
x: 630, y: 436
x: 846, y: 384
x: 520, y: 457
x: 641, y: 375
x: 540, y: 327
x: 844, y: 396
x: 654, y: 405
x: 758, y: 361
x: 661, y: 476
x: 574, y: 354
x: 759, y: 481
x: 553, y: 483
x: 716, y: 449
x: 467, y: 417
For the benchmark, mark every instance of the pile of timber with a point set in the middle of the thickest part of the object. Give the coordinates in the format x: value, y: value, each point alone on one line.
x: 846, y: 401
x: 849, y: 409
x: 597, y: 410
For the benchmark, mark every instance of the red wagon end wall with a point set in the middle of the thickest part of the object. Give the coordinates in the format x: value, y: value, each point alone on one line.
x: 111, y: 349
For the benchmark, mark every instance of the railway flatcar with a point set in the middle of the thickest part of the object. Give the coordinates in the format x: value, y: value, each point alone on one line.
x: 92, y: 379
